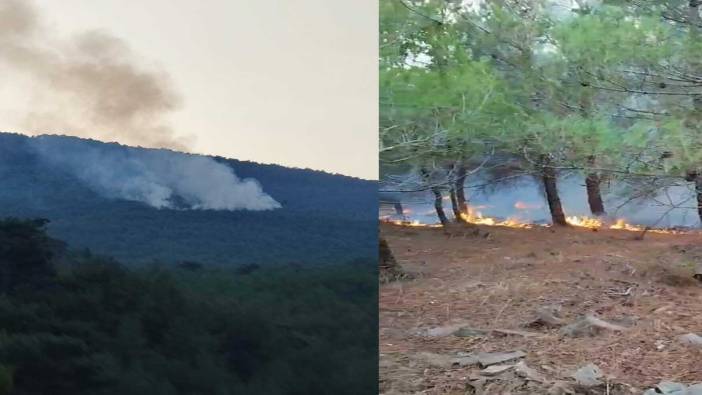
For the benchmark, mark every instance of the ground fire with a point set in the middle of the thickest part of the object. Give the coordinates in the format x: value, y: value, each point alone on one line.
x: 475, y: 217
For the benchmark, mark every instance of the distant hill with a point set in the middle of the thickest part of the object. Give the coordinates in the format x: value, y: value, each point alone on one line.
x: 325, y: 218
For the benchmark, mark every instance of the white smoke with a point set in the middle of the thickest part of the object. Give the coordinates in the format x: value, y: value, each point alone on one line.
x: 93, y: 85
x: 159, y: 178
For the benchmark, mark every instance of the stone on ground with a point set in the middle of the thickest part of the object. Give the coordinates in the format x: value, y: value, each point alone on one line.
x: 493, y: 358
x: 495, y: 370
x: 589, y: 325
x: 547, y: 316
x: 691, y: 339
x: 667, y: 388
x: 469, y: 332
x: 588, y: 376
x: 528, y: 373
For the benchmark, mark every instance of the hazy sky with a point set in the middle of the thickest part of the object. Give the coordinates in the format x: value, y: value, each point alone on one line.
x: 284, y: 81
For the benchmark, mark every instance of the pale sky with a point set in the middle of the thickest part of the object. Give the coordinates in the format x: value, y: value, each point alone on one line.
x: 292, y: 82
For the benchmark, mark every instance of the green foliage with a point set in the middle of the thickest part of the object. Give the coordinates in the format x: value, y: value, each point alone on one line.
x: 611, y: 36
x: 25, y: 254
x: 450, y: 105
x: 611, y: 87
x: 103, y: 329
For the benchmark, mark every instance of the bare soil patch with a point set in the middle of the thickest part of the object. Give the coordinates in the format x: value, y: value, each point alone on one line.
x: 492, y: 285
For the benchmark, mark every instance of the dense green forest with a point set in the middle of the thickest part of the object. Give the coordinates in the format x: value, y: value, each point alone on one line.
x: 75, y: 323
x: 324, y: 217
x: 610, y: 90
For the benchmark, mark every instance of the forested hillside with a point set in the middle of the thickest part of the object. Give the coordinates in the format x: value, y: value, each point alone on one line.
x: 78, y: 324
x: 324, y: 217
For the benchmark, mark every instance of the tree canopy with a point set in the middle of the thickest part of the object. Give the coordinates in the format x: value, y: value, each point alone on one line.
x: 75, y: 323
x: 607, y: 89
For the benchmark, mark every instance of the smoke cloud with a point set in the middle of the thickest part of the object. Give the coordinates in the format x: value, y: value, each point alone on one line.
x: 159, y: 178
x: 89, y: 85
x: 523, y: 199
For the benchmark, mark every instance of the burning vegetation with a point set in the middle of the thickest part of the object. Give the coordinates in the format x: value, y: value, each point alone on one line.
x: 456, y: 104
x: 475, y: 217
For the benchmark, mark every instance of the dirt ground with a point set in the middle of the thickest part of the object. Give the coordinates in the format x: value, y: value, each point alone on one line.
x: 500, y: 281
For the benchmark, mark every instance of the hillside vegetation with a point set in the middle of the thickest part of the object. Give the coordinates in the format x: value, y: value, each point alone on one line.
x: 325, y: 217
x: 73, y: 323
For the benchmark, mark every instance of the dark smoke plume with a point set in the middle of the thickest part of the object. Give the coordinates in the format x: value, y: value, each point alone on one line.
x: 91, y: 85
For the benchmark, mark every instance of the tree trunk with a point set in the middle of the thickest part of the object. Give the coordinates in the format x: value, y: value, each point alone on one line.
x: 594, y: 195
x: 551, y: 187
x: 453, y: 192
x: 460, y: 188
x: 398, y: 209
x: 439, y: 205
x: 438, y: 198
x: 457, y: 214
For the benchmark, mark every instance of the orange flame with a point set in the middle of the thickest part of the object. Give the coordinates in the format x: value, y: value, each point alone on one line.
x: 414, y: 223
x: 584, y: 222
x: 621, y: 224
x: 476, y: 217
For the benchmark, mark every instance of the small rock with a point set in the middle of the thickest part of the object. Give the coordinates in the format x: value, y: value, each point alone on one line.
x: 691, y: 339
x: 528, y: 373
x: 493, y: 358
x: 695, y: 389
x: 446, y: 361
x: 462, y: 361
x: 588, y: 375
x: 589, y: 325
x: 547, y: 316
x: 469, y: 332
x: 667, y: 388
x: 477, y: 384
x: 698, y: 272
x: 516, y: 333
x: 494, y: 370
x: 442, y: 331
